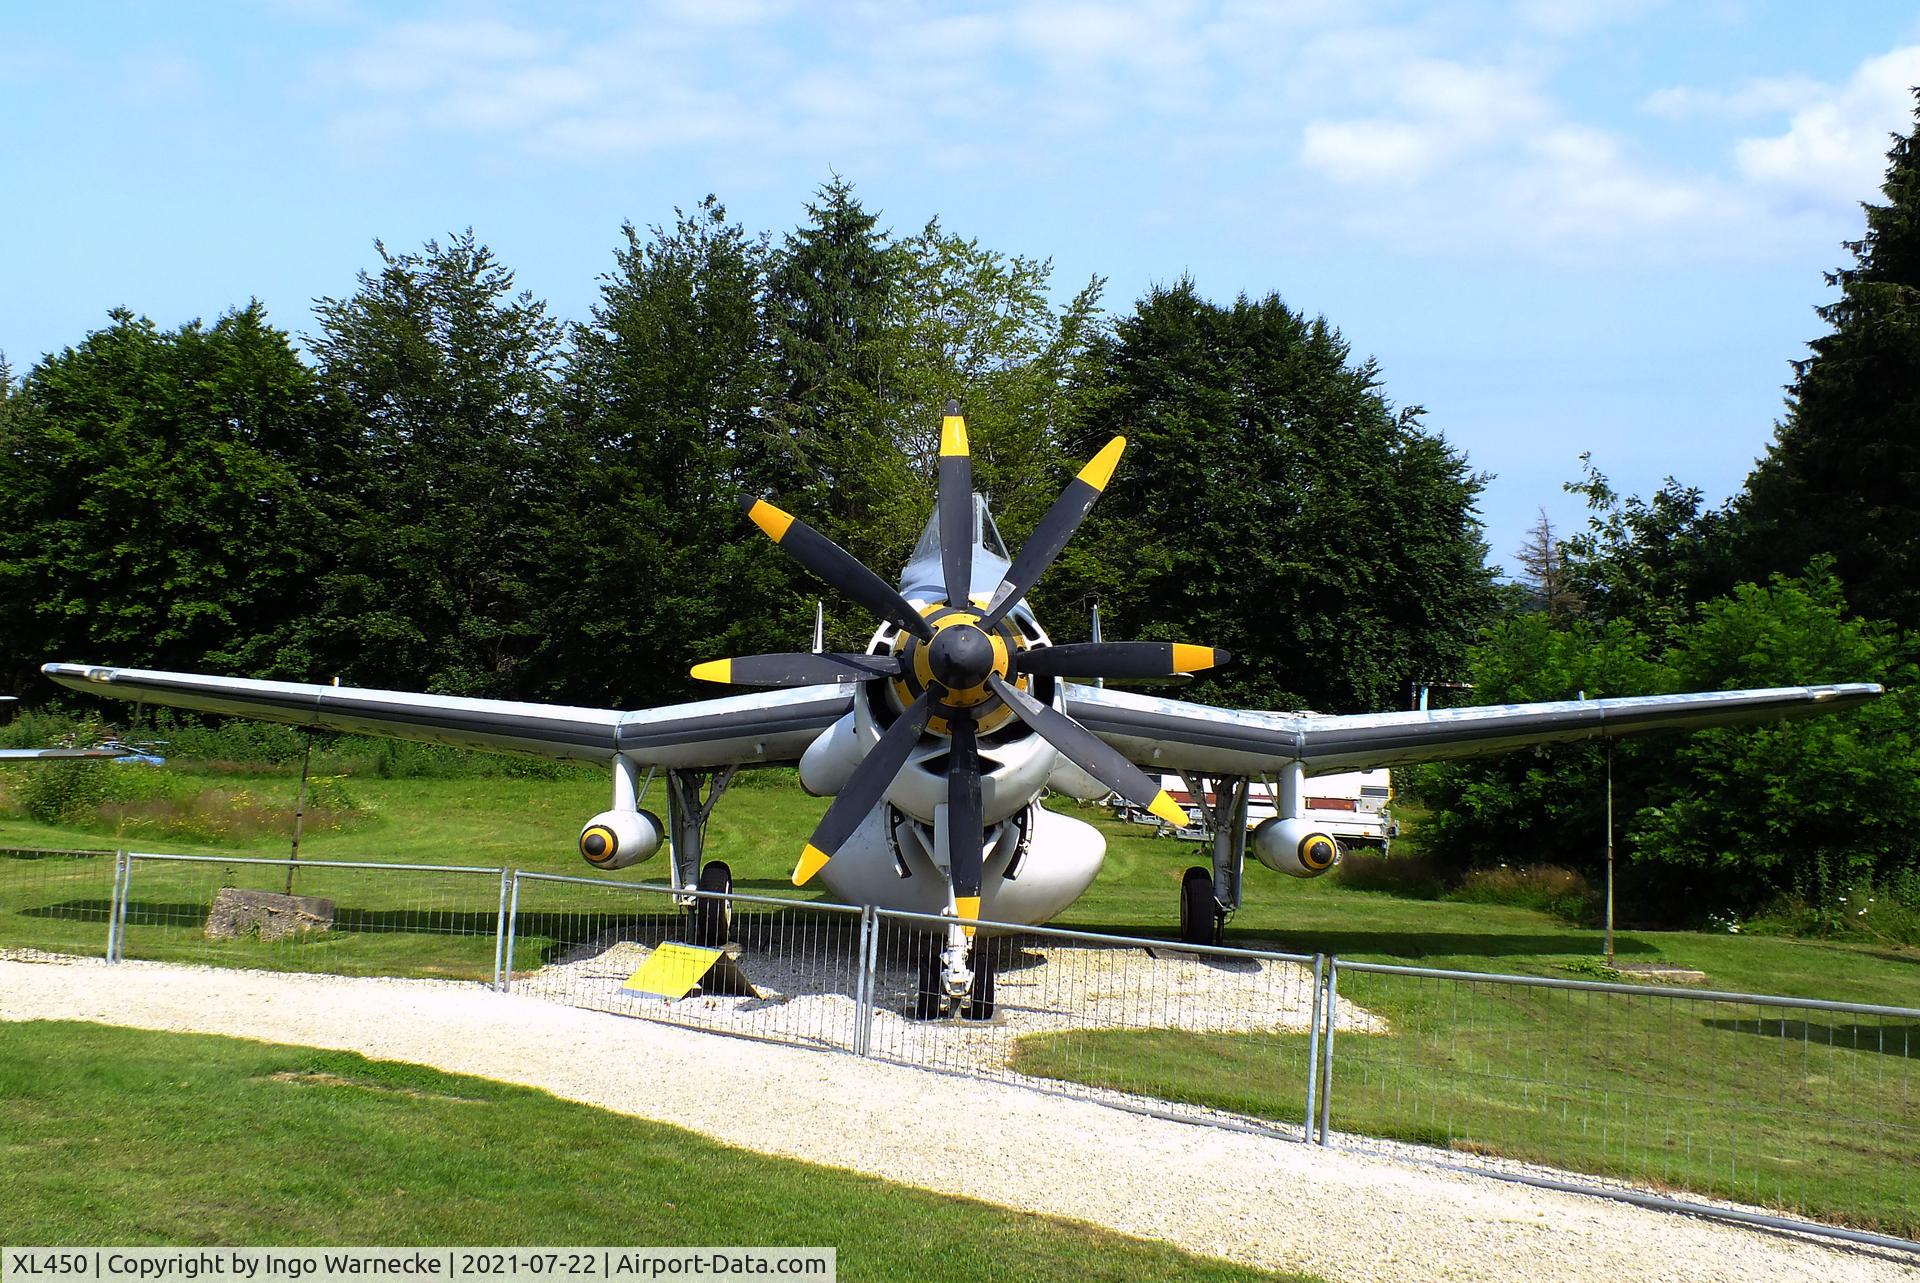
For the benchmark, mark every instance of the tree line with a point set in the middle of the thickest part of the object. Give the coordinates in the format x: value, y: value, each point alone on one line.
x: 440, y: 485
x: 1810, y: 574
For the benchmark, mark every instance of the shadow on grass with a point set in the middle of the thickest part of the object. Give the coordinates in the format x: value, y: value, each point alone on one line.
x: 1902, y: 1042
x: 1411, y: 945
x: 561, y: 934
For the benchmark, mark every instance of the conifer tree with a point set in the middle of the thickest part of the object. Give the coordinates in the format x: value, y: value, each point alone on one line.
x: 1842, y: 477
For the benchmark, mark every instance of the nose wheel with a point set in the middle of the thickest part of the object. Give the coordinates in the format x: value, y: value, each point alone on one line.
x: 967, y: 991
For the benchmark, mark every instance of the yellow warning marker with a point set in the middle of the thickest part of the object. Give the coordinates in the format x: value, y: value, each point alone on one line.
x: 966, y: 906
x: 714, y: 670
x: 672, y: 970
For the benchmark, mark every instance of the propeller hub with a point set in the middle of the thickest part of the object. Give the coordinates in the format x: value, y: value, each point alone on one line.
x: 960, y: 657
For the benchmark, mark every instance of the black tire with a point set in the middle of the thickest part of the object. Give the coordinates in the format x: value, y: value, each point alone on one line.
x: 980, y: 1003
x: 928, y: 994
x: 1199, y: 915
x: 713, y: 919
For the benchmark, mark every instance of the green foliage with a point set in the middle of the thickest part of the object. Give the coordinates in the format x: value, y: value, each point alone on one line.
x: 159, y: 511
x: 1273, y: 503
x: 451, y: 485
x: 1811, y: 807
x: 1838, y: 479
x: 1648, y: 563
x: 1723, y: 819
x: 60, y: 792
x: 1546, y: 887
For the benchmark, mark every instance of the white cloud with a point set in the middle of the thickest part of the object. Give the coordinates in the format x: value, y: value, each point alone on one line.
x: 1761, y: 97
x: 1833, y: 151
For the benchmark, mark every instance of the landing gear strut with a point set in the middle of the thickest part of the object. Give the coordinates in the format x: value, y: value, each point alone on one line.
x: 1209, y: 895
x: 940, y: 989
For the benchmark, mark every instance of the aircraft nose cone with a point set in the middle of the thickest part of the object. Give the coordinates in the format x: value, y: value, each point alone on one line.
x: 961, y: 657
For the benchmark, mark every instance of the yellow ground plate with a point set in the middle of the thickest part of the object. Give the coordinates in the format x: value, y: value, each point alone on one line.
x: 671, y: 970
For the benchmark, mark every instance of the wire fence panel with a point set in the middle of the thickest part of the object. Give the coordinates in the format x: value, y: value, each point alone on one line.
x: 1806, y: 1108
x: 56, y: 901
x: 1165, y: 1028
x: 790, y: 970
x: 337, y: 917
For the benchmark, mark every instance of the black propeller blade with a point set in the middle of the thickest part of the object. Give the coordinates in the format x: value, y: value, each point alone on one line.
x: 797, y: 669
x: 836, y: 565
x: 956, y: 506
x: 864, y: 789
x: 1054, y: 530
x: 1119, y: 659
x: 1087, y: 751
x: 965, y: 839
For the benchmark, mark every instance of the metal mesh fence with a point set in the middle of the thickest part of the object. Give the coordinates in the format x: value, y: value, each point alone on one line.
x: 343, y: 918
x: 792, y: 968
x: 1193, y: 1031
x: 1803, y: 1107
x: 56, y: 901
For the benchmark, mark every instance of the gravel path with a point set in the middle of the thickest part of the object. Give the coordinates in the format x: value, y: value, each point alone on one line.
x: 1253, y: 1199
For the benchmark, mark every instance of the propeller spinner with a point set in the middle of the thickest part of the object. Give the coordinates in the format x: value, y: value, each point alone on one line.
x: 959, y: 667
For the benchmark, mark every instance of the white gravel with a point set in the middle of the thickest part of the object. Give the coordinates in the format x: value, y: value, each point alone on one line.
x: 1254, y: 1199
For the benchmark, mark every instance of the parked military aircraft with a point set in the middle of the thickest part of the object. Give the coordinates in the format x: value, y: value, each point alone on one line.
x: 939, y: 742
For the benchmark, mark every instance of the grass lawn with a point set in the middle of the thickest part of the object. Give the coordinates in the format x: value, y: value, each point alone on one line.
x: 1817, y: 1116
x: 126, y: 1137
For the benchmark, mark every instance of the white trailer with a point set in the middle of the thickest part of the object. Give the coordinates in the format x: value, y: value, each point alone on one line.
x: 1351, y: 807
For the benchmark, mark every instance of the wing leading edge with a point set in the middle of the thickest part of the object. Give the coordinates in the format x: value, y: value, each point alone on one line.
x: 765, y: 727
x: 1177, y: 735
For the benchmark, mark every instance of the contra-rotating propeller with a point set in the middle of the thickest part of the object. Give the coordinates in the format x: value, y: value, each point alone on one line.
x: 957, y: 663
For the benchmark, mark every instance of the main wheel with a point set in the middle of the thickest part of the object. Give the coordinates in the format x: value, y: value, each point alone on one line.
x: 1199, y: 915
x: 980, y: 1002
x: 929, y: 995
x: 713, y: 919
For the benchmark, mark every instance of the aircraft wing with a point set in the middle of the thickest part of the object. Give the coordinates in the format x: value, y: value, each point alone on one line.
x: 68, y: 754
x: 762, y: 728
x: 1172, y: 734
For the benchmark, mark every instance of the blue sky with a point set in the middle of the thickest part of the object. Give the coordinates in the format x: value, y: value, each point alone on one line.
x: 1560, y: 225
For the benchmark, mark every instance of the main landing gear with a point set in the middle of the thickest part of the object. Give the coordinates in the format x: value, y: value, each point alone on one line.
x: 709, y: 920
x: 1208, y: 894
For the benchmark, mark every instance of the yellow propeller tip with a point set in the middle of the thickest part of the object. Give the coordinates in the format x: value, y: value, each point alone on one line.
x: 1191, y: 659
x: 953, y: 436
x: 714, y: 670
x: 770, y: 519
x: 1169, y: 810
x: 812, y: 860
x: 1099, y: 469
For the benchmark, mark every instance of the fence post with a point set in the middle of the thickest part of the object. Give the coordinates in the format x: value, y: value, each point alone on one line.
x: 120, y: 914
x: 500, y: 928
x: 864, y: 985
x: 1326, y: 1047
x: 506, y: 937
x: 1313, y: 1046
x: 113, y: 903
